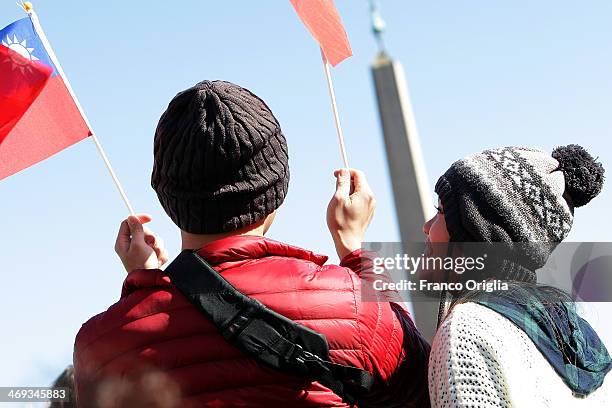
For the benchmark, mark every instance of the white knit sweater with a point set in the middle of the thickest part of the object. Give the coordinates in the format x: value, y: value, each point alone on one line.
x: 480, y: 359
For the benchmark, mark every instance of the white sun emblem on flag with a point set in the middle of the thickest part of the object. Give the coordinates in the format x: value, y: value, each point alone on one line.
x: 21, y: 49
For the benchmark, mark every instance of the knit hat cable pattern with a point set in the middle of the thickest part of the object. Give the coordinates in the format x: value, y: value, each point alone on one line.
x: 221, y: 159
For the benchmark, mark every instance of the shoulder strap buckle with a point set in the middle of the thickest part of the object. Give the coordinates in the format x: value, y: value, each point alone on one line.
x: 237, y: 324
x: 307, y: 362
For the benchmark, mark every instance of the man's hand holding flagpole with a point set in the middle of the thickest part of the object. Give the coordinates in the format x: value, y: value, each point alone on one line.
x: 40, y: 115
x: 137, y: 246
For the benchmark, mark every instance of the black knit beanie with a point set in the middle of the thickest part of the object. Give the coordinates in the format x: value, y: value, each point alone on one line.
x: 221, y: 160
x: 517, y: 194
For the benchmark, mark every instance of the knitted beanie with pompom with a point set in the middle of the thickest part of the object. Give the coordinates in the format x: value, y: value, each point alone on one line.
x: 518, y: 194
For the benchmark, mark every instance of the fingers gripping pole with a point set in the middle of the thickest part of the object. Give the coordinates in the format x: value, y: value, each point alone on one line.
x: 27, y: 6
x: 332, y: 96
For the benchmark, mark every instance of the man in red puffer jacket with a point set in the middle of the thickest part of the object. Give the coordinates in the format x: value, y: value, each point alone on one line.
x: 220, y: 172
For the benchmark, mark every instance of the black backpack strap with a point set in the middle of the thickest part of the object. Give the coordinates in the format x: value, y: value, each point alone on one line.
x: 260, y: 332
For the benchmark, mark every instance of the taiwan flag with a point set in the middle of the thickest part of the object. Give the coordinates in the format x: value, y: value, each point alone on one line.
x: 38, y: 114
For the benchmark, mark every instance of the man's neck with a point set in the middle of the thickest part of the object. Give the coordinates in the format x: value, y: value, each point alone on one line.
x: 197, y: 241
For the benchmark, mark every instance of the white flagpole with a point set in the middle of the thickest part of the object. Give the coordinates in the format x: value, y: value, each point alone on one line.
x: 332, y: 96
x: 38, y: 28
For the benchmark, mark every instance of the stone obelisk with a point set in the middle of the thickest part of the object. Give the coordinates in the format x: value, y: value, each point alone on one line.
x: 404, y: 157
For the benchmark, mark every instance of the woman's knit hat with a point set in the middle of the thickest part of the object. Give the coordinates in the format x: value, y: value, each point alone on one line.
x: 518, y: 194
x: 221, y: 160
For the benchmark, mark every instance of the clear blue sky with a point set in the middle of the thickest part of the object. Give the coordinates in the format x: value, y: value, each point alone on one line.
x: 481, y: 74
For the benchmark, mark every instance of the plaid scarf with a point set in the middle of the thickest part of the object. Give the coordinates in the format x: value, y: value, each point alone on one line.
x: 568, y: 342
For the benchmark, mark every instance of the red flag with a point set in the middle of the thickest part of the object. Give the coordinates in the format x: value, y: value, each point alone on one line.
x: 39, y: 115
x: 22, y: 81
x: 323, y: 21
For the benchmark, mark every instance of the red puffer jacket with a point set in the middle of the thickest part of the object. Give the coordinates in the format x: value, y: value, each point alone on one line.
x: 154, y: 327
